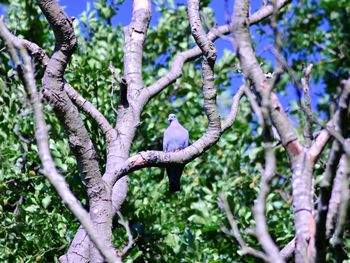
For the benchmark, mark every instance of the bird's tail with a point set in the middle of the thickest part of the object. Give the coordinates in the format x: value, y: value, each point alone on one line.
x: 174, y: 174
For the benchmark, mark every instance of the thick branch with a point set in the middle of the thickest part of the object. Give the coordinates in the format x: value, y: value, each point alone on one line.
x: 288, y: 250
x: 41, y: 135
x: 40, y: 54
x: 343, y: 215
x: 215, y: 33
x: 159, y: 158
x: 254, y: 73
x: 208, y: 62
x: 336, y: 196
x: 301, y: 165
x: 320, y: 142
x: 341, y: 124
x: 128, y: 116
x: 307, y: 110
x: 53, y: 90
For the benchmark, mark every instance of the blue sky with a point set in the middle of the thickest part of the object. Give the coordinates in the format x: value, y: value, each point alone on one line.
x: 76, y: 7
x: 123, y: 17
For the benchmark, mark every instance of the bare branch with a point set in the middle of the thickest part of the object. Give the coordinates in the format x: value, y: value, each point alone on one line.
x: 40, y: 54
x: 208, y: 62
x: 81, y: 102
x: 288, y: 250
x: 254, y: 104
x: 41, y: 135
x: 305, y: 81
x: 336, y: 196
x: 262, y: 232
x: 131, y: 239
x: 341, y: 123
x: 253, y: 72
x: 160, y: 158
x: 129, y: 111
x: 179, y: 60
x: 337, y: 239
x: 91, y: 111
x: 53, y: 90
x: 319, y: 143
x: 301, y: 166
x: 266, y: 11
x: 234, y: 231
x: 230, y: 118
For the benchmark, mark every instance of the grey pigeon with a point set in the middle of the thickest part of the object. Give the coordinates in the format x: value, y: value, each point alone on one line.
x: 175, y: 138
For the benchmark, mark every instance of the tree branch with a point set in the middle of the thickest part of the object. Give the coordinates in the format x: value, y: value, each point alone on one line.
x: 49, y: 169
x: 288, y: 250
x: 40, y: 54
x: 78, y: 137
x: 91, y: 111
x: 160, y: 158
x: 208, y: 62
x: 253, y: 72
x: 234, y: 231
x: 336, y: 196
x: 341, y: 125
x: 131, y: 239
x: 176, y: 69
x: 343, y: 215
x: 305, y: 81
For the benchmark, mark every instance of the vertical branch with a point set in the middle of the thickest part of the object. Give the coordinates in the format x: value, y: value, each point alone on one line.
x: 305, y: 81
x: 337, y: 239
x: 302, y: 162
x: 262, y: 232
x: 209, y: 56
x: 341, y: 125
x: 78, y: 137
x: 336, y: 197
x: 24, y: 66
x: 234, y: 231
x: 128, y: 116
x: 270, y: 106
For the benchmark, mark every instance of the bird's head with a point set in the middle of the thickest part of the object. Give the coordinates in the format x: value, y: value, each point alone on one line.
x: 171, y: 118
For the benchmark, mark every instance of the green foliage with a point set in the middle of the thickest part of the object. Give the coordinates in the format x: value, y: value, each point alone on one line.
x: 318, y: 32
x: 186, y: 226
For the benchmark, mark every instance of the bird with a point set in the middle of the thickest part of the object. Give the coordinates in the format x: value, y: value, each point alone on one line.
x: 175, y: 138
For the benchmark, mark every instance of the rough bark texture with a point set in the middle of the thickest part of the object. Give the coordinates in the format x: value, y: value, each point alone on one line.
x: 107, y: 192
x: 341, y: 125
x: 301, y: 161
x: 41, y: 134
x: 53, y: 90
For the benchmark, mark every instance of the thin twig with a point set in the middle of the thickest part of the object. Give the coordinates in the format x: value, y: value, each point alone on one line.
x: 131, y: 239
x: 234, y: 231
x: 305, y: 82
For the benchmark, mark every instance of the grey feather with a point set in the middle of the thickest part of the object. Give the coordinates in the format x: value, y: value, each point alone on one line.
x: 175, y: 138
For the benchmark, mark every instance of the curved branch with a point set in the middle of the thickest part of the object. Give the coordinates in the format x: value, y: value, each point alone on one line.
x: 215, y: 33
x: 49, y: 169
x: 326, y: 184
x: 91, y: 111
x: 234, y: 231
x: 208, y: 61
x: 38, y: 53
x: 78, y: 137
x: 159, y: 158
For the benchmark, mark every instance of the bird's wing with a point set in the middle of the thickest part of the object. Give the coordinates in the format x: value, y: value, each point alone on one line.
x: 165, y: 140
